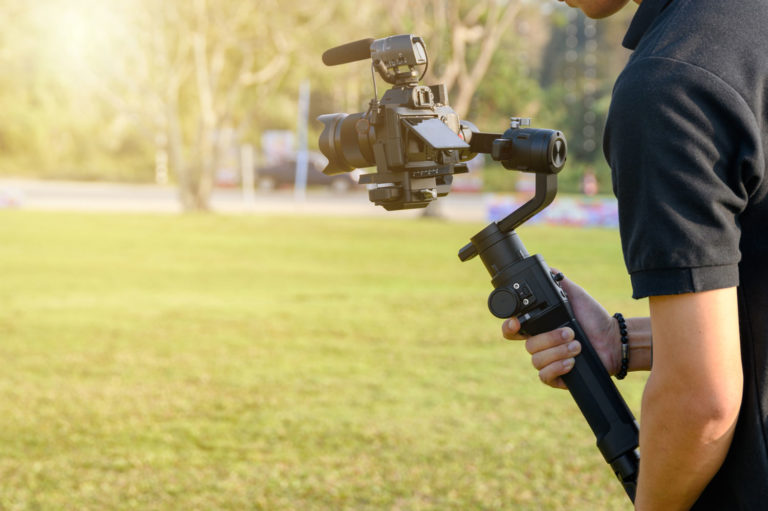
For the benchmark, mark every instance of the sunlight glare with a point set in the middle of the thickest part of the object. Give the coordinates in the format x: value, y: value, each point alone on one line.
x: 82, y: 35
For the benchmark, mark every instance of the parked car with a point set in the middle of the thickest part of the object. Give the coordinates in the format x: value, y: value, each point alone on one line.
x: 283, y: 174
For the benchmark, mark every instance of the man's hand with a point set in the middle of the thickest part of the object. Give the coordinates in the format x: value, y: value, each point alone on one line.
x: 552, y: 352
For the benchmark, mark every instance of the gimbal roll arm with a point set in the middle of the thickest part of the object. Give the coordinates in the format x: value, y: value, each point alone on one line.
x: 546, y: 189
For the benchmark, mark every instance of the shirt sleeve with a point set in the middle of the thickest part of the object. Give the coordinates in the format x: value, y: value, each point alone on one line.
x: 680, y: 143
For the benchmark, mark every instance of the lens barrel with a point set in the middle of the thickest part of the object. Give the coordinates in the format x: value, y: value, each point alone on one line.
x: 347, y: 141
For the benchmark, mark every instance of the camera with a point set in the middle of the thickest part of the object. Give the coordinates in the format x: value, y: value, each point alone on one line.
x: 413, y: 137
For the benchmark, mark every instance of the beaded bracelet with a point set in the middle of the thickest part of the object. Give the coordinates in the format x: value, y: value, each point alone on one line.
x: 624, y: 346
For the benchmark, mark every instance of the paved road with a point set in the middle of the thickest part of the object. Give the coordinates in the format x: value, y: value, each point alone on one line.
x: 77, y: 196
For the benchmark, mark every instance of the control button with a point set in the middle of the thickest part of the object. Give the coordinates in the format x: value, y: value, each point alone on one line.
x: 525, y: 291
x: 503, y: 303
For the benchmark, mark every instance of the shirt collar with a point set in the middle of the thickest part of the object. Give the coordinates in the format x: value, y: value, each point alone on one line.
x: 644, y: 17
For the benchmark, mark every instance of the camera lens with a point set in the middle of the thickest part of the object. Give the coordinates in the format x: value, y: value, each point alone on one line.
x: 347, y: 142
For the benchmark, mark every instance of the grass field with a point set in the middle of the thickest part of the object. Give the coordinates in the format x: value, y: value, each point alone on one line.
x: 282, y: 363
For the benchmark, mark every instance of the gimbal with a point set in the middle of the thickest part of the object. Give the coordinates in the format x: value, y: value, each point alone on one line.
x: 525, y: 287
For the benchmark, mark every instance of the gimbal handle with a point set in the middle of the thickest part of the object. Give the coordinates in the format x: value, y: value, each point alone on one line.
x: 525, y: 287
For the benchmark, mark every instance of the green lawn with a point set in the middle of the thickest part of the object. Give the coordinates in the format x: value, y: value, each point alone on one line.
x: 282, y: 363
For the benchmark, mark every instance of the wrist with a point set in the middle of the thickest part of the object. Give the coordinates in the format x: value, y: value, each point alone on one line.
x: 637, y: 353
x: 640, y: 343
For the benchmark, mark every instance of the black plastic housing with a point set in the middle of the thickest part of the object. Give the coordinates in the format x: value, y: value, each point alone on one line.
x: 524, y: 287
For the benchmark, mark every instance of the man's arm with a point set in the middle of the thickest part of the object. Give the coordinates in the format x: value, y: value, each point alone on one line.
x: 692, y: 399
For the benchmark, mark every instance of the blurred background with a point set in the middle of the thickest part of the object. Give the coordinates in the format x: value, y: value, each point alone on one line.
x: 337, y: 359
x: 204, y: 94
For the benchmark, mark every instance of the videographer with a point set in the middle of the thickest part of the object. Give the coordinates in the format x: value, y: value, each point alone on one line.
x: 687, y: 142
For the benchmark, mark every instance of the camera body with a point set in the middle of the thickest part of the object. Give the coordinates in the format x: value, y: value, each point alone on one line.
x: 415, y: 140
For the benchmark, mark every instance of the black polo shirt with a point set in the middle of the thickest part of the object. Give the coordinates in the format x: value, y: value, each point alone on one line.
x: 687, y: 142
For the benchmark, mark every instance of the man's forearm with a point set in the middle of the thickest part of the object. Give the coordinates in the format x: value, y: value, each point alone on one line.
x: 681, y: 449
x: 692, y: 398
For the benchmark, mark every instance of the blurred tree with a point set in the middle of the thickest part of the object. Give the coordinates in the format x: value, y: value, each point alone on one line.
x: 51, y: 123
x: 462, y: 36
x: 201, y: 61
x: 181, y: 76
x: 239, y: 55
x: 580, y: 64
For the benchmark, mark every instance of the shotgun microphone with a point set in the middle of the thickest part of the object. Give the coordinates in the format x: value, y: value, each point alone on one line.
x: 350, y: 52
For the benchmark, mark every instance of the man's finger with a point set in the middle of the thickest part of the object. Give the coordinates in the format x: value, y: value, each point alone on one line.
x: 555, y: 354
x: 548, y: 340
x: 510, y: 329
x: 551, y: 374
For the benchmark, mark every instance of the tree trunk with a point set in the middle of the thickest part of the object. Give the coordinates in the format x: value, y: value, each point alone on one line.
x: 206, y: 143
x: 175, y: 150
